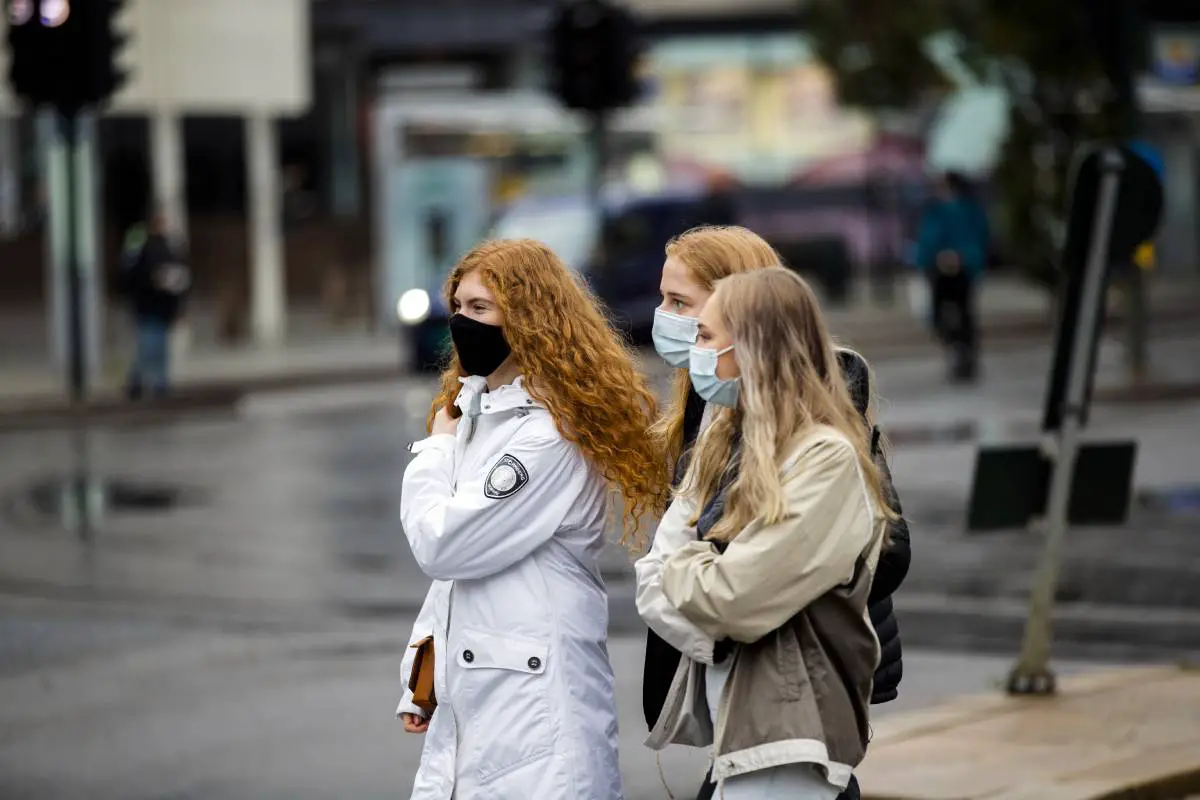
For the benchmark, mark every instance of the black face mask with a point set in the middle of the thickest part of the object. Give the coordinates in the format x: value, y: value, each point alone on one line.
x: 481, y: 348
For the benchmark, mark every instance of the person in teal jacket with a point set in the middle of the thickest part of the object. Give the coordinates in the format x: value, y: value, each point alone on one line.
x: 952, y: 250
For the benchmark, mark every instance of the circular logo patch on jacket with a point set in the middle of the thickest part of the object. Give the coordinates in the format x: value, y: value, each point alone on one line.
x: 506, y: 478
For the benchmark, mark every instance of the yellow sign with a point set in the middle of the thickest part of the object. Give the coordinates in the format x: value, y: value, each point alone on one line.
x: 1144, y: 256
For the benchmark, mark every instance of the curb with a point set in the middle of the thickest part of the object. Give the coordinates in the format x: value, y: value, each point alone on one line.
x: 190, y: 399
x: 57, y: 414
x: 894, y: 340
x: 1012, y: 327
x: 1149, y: 392
x: 1080, y: 630
x: 971, y: 625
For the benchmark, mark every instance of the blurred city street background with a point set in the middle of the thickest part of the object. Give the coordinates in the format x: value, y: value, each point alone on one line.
x: 207, y: 594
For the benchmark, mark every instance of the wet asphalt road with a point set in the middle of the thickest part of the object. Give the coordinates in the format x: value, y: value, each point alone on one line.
x: 288, y: 510
x: 173, y: 709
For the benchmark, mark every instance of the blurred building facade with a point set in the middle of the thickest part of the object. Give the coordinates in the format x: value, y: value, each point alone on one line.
x: 186, y: 63
x: 197, y: 141
x: 732, y: 93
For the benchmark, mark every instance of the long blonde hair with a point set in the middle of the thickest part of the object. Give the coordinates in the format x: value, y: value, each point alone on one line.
x: 710, y: 253
x: 573, y: 363
x: 790, y: 381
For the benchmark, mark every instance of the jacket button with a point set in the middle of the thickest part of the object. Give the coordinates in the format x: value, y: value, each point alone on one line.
x: 468, y: 656
x: 535, y: 663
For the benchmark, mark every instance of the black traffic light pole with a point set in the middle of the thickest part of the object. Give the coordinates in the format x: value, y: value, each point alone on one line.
x: 592, y: 50
x: 76, y: 369
x: 67, y: 63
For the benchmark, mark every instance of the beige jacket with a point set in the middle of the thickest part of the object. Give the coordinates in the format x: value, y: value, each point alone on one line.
x: 794, y: 595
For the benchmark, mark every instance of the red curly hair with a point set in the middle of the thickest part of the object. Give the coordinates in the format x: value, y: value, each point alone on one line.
x: 574, y: 364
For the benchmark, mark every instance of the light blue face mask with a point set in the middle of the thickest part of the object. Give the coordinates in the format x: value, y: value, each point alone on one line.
x: 702, y: 365
x: 674, y: 335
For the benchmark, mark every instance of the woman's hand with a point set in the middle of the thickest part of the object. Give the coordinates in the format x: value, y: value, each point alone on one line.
x: 414, y: 723
x: 444, y: 423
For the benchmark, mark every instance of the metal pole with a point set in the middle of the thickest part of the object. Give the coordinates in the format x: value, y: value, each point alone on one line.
x: 80, y: 517
x: 80, y: 510
x: 1136, y: 337
x: 268, y: 291
x: 76, y: 364
x: 599, y: 137
x: 88, y: 251
x: 1032, y: 674
x: 10, y: 159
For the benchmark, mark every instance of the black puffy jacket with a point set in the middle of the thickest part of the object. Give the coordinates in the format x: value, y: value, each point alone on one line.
x: 893, y: 563
x: 662, y: 660
x: 889, y: 574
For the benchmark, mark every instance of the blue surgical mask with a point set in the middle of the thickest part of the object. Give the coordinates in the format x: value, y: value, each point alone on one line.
x: 673, y: 335
x: 702, y: 365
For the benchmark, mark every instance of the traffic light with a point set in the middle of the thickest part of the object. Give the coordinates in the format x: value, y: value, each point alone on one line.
x: 1172, y: 11
x: 593, y: 52
x: 64, y: 52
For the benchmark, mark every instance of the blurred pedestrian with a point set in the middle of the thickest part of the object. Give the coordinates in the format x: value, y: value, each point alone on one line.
x: 696, y: 261
x: 541, y: 419
x: 790, y: 510
x: 155, y: 281
x: 952, y: 250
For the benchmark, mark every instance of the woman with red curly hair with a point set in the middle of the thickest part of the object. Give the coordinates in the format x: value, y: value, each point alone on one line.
x: 541, y: 421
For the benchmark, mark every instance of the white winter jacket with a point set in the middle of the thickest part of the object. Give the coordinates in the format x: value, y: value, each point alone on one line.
x: 508, y: 518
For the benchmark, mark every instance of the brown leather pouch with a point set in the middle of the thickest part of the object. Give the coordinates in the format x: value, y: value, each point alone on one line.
x: 420, y: 681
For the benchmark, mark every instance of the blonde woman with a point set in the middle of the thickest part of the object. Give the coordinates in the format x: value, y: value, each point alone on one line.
x: 788, y: 514
x: 695, y: 262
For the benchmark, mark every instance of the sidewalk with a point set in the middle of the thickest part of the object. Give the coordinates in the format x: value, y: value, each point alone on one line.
x: 1105, y: 734
x: 317, y: 351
